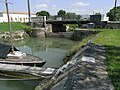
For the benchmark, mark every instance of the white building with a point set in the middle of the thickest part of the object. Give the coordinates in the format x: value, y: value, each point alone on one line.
x: 104, y: 17
x: 15, y: 16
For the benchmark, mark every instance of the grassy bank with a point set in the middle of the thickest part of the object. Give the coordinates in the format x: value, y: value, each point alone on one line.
x: 14, y: 26
x: 111, y: 38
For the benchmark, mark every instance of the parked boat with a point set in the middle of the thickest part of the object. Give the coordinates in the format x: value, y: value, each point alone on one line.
x: 18, y: 71
x: 18, y: 58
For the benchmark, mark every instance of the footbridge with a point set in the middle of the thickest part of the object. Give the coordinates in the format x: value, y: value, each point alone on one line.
x: 58, y: 25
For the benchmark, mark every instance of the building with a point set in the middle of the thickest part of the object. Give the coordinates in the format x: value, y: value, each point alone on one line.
x: 97, y: 18
x: 100, y: 21
x: 15, y: 16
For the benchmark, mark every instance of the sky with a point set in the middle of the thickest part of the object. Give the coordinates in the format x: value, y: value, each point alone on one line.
x: 80, y: 7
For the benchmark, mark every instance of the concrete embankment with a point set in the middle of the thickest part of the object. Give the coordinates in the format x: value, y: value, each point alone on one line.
x: 85, y: 71
x: 76, y: 35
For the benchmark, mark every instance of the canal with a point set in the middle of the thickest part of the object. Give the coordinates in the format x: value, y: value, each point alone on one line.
x: 52, y: 50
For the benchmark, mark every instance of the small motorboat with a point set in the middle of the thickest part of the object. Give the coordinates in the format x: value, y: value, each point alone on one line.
x: 18, y: 58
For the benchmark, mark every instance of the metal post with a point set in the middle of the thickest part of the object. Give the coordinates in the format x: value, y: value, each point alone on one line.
x: 115, y: 10
x: 9, y: 25
x: 29, y: 16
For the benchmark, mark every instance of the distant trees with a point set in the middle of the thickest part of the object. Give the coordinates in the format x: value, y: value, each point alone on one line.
x: 70, y: 15
x: 67, y: 15
x: 98, y: 13
x: 43, y: 13
x: 61, y: 13
x: 113, y: 16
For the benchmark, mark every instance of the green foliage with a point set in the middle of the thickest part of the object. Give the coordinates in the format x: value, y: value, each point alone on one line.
x: 98, y: 13
x: 78, y: 17
x: 111, y: 16
x: 14, y: 26
x: 72, y: 27
x: 43, y: 13
x: 111, y: 38
x: 68, y: 15
x: 113, y: 61
x: 61, y: 13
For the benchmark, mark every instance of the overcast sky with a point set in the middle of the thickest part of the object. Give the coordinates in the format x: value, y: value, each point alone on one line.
x: 53, y: 6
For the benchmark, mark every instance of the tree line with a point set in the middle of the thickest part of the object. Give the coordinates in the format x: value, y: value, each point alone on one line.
x: 61, y: 13
x: 69, y: 15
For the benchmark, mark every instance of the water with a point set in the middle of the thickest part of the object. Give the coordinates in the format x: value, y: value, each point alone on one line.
x: 52, y: 50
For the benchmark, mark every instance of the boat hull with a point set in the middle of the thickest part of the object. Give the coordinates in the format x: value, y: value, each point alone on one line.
x: 17, y: 75
x: 29, y: 60
x: 25, y: 64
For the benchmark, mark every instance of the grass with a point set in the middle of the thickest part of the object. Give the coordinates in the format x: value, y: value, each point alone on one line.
x: 14, y: 26
x: 111, y: 39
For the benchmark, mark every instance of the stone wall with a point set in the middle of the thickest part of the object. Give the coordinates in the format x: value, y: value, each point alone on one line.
x: 38, y: 32
x: 17, y: 35
x: 113, y: 25
x: 78, y: 35
x: 60, y: 34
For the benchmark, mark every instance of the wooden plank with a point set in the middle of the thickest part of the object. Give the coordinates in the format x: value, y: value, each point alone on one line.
x: 38, y: 71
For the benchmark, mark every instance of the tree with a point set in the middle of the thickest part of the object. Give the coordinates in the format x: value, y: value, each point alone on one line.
x: 70, y: 15
x: 61, y: 13
x: 78, y: 17
x: 43, y: 13
x: 98, y: 13
x: 114, y: 15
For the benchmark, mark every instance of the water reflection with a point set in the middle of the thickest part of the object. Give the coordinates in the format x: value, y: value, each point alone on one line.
x: 51, y: 49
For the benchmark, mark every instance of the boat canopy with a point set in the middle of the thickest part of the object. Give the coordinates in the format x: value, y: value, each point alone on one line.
x: 5, y: 49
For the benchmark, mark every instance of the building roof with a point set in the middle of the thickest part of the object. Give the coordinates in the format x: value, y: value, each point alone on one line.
x: 14, y: 12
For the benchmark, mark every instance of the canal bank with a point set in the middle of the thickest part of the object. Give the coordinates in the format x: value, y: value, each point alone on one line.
x: 85, y: 71
x: 60, y: 80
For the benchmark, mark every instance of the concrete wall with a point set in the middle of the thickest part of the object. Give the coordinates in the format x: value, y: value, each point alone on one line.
x: 60, y: 34
x: 113, y: 25
x: 38, y: 32
x: 78, y: 35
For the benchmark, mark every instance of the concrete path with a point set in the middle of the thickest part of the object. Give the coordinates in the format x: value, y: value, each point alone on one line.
x: 89, y: 73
